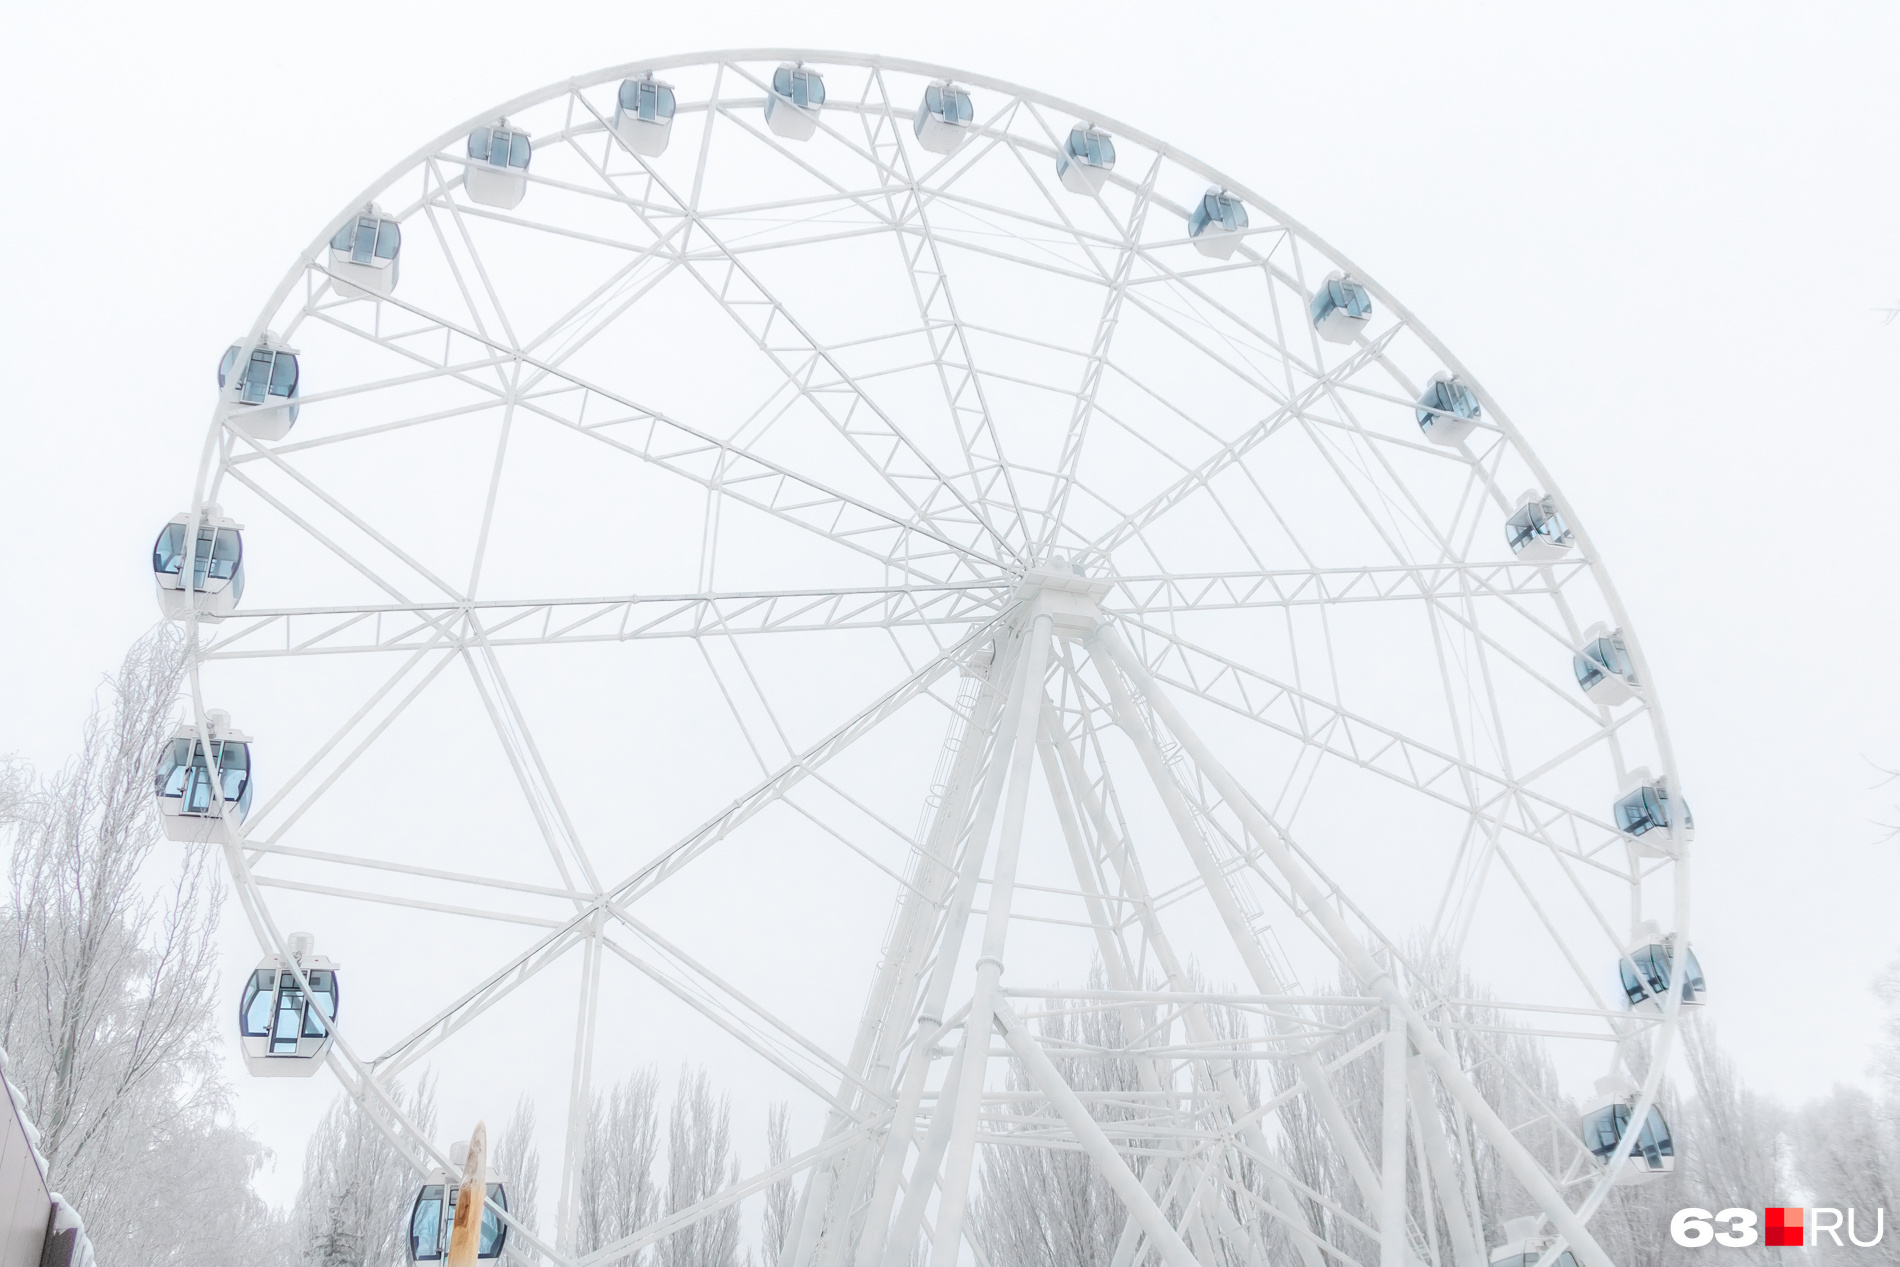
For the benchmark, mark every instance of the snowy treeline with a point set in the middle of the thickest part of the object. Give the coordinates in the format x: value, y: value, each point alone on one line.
x: 1735, y: 1147
x: 109, y: 993
x: 353, y: 1206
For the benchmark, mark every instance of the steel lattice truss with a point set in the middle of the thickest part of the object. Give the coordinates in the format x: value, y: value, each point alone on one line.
x: 640, y: 566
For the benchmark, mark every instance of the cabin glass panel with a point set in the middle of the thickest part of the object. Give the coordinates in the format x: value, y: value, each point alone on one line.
x: 1604, y: 1127
x: 254, y: 1010
x: 805, y: 89
x: 647, y: 100
x: 183, y: 775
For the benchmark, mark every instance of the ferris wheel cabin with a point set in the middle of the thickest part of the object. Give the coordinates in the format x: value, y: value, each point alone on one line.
x: 434, y: 1213
x: 1447, y: 409
x: 1604, y: 668
x: 188, y: 804
x: 1216, y: 223
x: 1087, y: 157
x: 1606, y: 1120
x: 1342, y: 308
x: 284, y: 1032
x: 267, y: 390
x: 791, y: 108
x: 643, y: 115
x: 1524, y: 1247
x: 945, y: 118
x: 1646, y: 814
x: 1648, y: 968
x: 365, y: 254
x: 1536, y: 531
x: 217, y: 566
x: 497, y: 171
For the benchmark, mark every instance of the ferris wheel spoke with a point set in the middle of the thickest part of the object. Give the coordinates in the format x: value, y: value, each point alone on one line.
x: 580, y: 325
x: 410, y: 903
x: 748, y: 1038
x: 957, y: 374
x: 491, y: 990
x: 1231, y: 453
x: 715, y: 464
x: 792, y: 773
x: 524, y: 758
x: 461, y: 372
x: 278, y: 504
x: 696, y: 455
x: 798, y: 354
x: 1157, y: 594
x: 456, y: 215
x: 354, y: 628
x: 709, y: 986
x: 264, y: 813
x: 1163, y: 277
x: 256, y: 848
x: 1378, y: 749
x: 1096, y: 365
x: 350, y: 517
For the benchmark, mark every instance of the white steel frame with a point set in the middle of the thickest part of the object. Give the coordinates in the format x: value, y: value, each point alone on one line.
x: 1057, y: 636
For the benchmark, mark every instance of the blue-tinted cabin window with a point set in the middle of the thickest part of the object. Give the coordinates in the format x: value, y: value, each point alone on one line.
x: 255, y: 1008
x: 1603, y: 1128
x: 500, y: 147
x: 1534, y: 520
x: 1095, y: 149
x: 322, y: 1002
x: 1218, y: 212
x: 1692, y: 982
x: 803, y: 88
x: 267, y: 374
x: 647, y: 99
x: 1647, y: 971
x: 368, y: 238
x: 289, y: 1024
x: 426, y: 1239
x: 168, y: 552
x: 1447, y: 396
x: 183, y: 775
x: 950, y: 104
x: 1341, y: 294
x: 1642, y: 811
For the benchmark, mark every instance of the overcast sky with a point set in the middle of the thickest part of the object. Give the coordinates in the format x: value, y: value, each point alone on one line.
x: 1659, y: 236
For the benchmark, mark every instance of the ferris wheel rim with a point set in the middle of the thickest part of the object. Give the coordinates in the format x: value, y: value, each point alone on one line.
x: 1406, y: 318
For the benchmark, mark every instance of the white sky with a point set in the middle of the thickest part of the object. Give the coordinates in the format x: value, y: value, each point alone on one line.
x: 1656, y: 235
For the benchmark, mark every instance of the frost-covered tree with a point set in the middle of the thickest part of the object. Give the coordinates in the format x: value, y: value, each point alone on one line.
x: 353, y: 1203
x: 776, y: 1219
x: 699, y: 1162
x: 108, y: 992
x: 615, y: 1190
x: 518, y: 1160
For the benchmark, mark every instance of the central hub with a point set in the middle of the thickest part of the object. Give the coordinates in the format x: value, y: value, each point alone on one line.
x: 1073, y: 602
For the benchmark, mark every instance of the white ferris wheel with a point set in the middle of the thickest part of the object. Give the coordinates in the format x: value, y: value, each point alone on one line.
x: 792, y: 557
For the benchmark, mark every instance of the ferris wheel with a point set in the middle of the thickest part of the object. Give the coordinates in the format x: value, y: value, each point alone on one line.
x: 789, y: 558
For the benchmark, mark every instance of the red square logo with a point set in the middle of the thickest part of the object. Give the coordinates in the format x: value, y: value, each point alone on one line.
x: 1781, y: 1225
